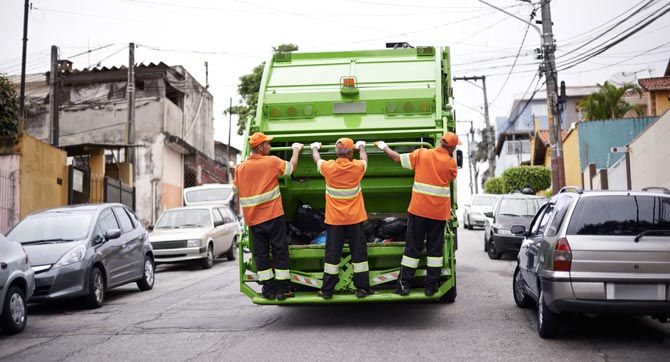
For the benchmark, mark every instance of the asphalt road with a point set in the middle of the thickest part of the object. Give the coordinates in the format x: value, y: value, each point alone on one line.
x: 200, y: 315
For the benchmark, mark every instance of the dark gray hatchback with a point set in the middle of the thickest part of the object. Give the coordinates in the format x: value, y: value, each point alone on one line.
x: 84, y: 250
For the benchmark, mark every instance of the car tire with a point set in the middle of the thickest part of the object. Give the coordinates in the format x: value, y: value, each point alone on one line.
x: 470, y: 227
x: 494, y: 254
x: 208, y: 261
x: 232, y: 252
x: 547, y: 321
x: 14, y: 311
x: 521, y: 299
x: 96, y: 289
x: 148, y: 276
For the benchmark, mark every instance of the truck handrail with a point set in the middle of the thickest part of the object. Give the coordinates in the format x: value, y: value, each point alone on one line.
x: 390, y: 144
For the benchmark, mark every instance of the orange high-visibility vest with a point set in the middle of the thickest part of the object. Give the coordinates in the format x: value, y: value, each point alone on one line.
x: 434, y: 169
x: 258, y: 188
x: 344, y: 198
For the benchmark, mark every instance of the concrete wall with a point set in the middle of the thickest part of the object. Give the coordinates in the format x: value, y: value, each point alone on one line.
x: 573, y: 174
x: 172, y: 180
x: 9, y: 191
x: 649, y: 155
x: 42, y: 169
x: 617, y: 176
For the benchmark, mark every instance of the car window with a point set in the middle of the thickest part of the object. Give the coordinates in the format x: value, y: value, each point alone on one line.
x: 619, y: 215
x: 561, y: 209
x: 107, y: 221
x: 124, y: 219
x: 213, y: 194
x: 540, y: 221
x: 65, y: 225
x: 228, y: 214
x: 483, y: 200
x: 518, y: 207
x: 217, y: 216
x: 179, y: 218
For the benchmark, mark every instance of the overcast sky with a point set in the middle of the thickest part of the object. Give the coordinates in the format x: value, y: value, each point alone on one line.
x: 235, y: 36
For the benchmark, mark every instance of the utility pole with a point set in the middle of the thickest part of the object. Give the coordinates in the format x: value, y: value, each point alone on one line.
x: 23, y: 61
x: 230, y: 127
x: 54, y: 106
x: 130, y: 151
x: 549, y: 65
x: 490, y: 147
x: 206, y: 75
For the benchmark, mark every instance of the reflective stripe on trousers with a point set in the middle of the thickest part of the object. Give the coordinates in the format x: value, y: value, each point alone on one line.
x: 259, y: 199
x: 409, y: 262
x: 361, y: 267
x: 434, y: 261
x: 331, y: 268
x: 264, y: 275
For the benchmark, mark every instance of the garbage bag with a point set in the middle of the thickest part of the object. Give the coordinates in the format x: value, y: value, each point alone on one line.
x: 370, y: 226
x: 393, y: 228
x: 320, y: 239
x: 308, y: 219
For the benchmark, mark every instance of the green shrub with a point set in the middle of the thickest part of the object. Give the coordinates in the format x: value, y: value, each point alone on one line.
x: 494, y: 185
x: 517, y: 178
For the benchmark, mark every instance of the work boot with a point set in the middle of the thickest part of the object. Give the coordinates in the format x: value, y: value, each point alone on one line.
x: 362, y: 293
x: 286, y: 294
x: 325, y: 295
x: 401, y: 288
x: 429, y: 292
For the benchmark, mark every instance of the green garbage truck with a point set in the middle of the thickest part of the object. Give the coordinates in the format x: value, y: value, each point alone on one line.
x: 402, y: 96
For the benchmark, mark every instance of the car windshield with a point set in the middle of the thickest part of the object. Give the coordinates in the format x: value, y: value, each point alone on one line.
x: 483, y: 200
x: 519, y: 207
x: 53, y: 227
x: 215, y: 194
x: 184, y: 218
x: 620, y: 215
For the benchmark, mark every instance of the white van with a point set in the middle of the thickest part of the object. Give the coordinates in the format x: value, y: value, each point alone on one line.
x: 220, y: 194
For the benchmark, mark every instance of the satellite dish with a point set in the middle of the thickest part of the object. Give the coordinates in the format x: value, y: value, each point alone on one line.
x: 620, y: 78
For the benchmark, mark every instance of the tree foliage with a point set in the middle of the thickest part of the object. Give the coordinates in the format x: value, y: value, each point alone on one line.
x: 248, y: 88
x: 517, y: 178
x: 9, y: 108
x: 608, y: 102
x: 494, y: 185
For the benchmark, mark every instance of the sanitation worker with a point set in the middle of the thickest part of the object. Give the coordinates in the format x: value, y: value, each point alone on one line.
x: 345, y: 214
x: 258, y: 189
x: 429, y: 209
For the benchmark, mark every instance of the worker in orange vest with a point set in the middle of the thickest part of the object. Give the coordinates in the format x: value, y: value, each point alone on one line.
x: 257, y: 186
x: 429, y: 209
x: 345, y: 214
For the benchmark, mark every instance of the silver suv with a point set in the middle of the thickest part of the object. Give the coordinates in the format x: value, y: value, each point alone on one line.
x: 597, y: 252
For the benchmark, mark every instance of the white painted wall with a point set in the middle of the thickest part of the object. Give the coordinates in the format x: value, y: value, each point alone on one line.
x: 650, y: 155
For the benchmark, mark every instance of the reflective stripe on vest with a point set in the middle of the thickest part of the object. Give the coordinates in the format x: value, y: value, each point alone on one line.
x: 409, y: 262
x: 265, y: 275
x: 361, y: 267
x: 331, y: 268
x: 431, y: 190
x: 405, y: 162
x: 282, y: 274
x: 259, y: 199
x: 434, y: 261
x: 343, y: 193
x: 289, y: 168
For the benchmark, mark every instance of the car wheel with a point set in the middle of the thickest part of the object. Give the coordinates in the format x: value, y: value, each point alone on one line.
x: 96, y: 289
x: 470, y: 223
x: 148, y: 276
x: 232, y: 252
x: 492, y: 251
x: 14, y: 311
x: 547, y: 321
x: 521, y: 299
x: 208, y: 261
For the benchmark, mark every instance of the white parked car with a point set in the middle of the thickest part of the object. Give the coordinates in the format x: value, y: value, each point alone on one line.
x: 473, y: 211
x: 195, y: 233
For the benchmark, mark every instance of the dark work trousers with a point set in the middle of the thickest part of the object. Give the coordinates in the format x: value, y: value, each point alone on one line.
x: 359, y: 253
x: 271, y: 236
x: 418, y: 229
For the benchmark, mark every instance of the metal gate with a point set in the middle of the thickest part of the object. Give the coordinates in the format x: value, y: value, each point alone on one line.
x: 86, y: 188
x: 8, y: 202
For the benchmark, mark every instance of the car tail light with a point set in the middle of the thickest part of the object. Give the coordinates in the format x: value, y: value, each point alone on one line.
x: 562, y: 255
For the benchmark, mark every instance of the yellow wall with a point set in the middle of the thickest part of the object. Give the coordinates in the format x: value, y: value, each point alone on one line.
x: 41, y: 166
x: 662, y: 101
x: 121, y: 171
x: 571, y: 164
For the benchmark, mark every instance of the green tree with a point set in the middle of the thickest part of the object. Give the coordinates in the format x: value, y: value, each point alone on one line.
x: 9, y: 108
x: 248, y: 88
x: 517, y: 178
x: 494, y: 185
x: 608, y: 102
x: 480, y: 151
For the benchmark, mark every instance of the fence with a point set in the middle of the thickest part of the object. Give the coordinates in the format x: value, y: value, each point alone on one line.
x: 8, y: 200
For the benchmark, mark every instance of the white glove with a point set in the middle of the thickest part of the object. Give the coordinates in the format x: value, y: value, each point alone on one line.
x: 297, y: 146
x: 381, y: 145
x: 360, y: 143
x: 314, y: 145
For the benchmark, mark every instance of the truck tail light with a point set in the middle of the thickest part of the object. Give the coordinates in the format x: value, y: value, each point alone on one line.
x: 562, y: 255
x: 349, y: 82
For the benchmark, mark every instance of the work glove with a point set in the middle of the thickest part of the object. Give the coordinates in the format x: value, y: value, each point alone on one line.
x: 297, y: 146
x: 381, y: 145
x: 360, y: 143
x: 315, y: 145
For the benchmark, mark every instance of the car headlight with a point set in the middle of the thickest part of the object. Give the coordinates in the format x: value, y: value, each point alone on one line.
x: 476, y: 213
x: 193, y: 243
x: 502, y: 231
x: 74, y: 255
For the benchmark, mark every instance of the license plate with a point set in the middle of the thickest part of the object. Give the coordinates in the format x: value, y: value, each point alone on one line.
x: 636, y: 291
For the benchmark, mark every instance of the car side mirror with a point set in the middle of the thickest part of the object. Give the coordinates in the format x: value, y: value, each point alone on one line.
x: 488, y: 214
x: 150, y: 228
x: 112, y: 234
x: 459, y: 158
x: 518, y: 230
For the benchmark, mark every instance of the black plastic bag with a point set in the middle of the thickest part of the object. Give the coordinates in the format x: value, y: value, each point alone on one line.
x: 391, y: 227
x: 309, y: 220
